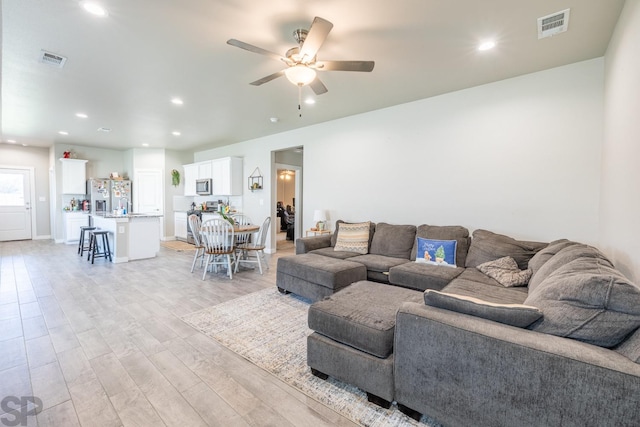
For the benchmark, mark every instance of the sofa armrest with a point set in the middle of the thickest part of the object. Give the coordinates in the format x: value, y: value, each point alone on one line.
x: 308, y: 244
x: 464, y: 370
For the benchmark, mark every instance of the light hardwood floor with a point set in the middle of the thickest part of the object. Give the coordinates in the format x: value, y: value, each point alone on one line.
x: 103, y: 345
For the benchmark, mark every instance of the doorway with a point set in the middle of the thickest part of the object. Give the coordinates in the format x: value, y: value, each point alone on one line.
x: 15, y: 204
x: 286, y: 197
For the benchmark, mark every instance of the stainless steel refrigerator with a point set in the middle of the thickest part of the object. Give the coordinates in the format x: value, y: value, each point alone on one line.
x: 121, y: 195
x: 99, y: 194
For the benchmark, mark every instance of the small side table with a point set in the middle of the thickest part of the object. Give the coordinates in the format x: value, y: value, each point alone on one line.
x: 316, y: 232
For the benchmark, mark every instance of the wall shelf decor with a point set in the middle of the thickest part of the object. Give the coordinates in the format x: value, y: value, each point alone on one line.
x: 255, y: 180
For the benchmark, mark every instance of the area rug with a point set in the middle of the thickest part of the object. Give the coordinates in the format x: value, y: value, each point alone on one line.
x: 270, y: 330
x: 177, y: 245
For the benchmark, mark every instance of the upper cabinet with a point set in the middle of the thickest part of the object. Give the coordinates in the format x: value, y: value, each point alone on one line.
x: 227, y: 176
x: 74, y: 176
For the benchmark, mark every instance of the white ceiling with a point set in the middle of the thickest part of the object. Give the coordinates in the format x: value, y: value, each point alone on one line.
x: 124, y: 69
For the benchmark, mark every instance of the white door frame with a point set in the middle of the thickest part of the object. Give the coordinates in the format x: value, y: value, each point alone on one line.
x: 297, y: 225
x: 32, y: 195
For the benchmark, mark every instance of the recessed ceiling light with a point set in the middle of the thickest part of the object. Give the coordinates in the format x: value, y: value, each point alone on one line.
x: 274, y: 120
x: 94, y: 8
x: 24, y: 145
x: 145, y: 145
x: 81, y: 115
x: 177, y: 101
x: 105, y: 130
x: 176, y: 133
x: 63, y: 132
x: 487, y: 45
x: 310, y: 101
x: 11, y: 141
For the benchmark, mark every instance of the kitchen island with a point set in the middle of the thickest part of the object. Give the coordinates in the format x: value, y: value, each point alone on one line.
x: 131, y: 236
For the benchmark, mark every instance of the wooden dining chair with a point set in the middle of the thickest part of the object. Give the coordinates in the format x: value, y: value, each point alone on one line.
x: 195, y: 223
x: 256, y: 248
x: 218, y: 238
x: 242, y: 238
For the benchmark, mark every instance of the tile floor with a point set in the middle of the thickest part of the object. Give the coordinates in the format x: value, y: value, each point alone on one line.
x: 103, y: 345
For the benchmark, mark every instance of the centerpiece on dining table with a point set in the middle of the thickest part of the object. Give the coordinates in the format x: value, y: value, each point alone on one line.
x: 224, y: 213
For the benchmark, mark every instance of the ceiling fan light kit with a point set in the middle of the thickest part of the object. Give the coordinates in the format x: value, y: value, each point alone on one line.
x: 300, y: 75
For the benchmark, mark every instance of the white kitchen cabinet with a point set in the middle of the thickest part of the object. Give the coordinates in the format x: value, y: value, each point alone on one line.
x: 193, y: 171
x: 74, y: 176
x: 73, y: 221
x: 227, y: 176
x: 180, y: 225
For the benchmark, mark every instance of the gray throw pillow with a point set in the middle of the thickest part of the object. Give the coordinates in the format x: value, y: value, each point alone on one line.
x: 510, y: 314
x: 506, y: 272
x: 587, y: 300
x: 488, y: 246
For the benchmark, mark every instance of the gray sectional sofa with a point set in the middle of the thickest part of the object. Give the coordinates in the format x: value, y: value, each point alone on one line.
x: 457, y: 344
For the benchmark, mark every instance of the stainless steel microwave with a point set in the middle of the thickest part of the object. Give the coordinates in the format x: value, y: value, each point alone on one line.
x: 203, y: 187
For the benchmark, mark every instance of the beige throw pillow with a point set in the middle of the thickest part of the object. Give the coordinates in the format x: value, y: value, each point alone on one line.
x: 353, y: 237
x: 506, y: 272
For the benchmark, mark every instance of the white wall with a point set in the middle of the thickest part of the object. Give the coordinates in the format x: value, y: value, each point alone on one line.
x: 520, y: 156
x: 620, y: 204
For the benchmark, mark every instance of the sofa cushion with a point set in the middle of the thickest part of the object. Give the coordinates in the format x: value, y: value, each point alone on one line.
x: 511, y: 314
x: 630, y: 348
x: 362, y: 315
x: 566, y: 253
x: 334, y: 236
x: 353, y: 237
x: 587, y: 300
x: 544, y: 254
x: 445, y: 232
x: 422, y: 276
x: 506, y: 272
x: 488, y: 246
x: 474, y: 283
x: 436, y: 252
x: 378, y: 263
x: 332, y: 253
x: 393, y: 240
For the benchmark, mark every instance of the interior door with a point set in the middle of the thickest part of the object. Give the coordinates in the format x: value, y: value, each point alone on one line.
x: 15, y: 204
x: 147, y: 191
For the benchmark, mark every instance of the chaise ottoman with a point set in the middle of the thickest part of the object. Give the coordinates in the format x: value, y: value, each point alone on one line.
x: 316, y: 276
x: 354, y: 334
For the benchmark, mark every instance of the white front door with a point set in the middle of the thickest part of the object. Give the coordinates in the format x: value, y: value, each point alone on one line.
x: 15, y: 204
x: 147, y: 191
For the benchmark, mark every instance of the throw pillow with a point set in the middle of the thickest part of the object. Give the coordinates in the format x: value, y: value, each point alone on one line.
x: 353, y: 238
x: 587, y: 300
x: 510, y: 314
x: 506, y: 272
x: 436, y: 252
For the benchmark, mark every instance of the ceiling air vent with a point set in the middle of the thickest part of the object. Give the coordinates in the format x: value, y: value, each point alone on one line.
x: 52, y: 59
x: 553, y: 24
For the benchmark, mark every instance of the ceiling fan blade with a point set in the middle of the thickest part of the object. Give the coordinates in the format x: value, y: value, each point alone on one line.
x: 365, y: 66
x: 255, y: 49
x: 268, y: 78
x: 317, y: 35
x: 318, y: 87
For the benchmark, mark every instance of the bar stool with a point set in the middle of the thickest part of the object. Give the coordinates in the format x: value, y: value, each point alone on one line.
x: 94, y: 247
x: 81, y: 243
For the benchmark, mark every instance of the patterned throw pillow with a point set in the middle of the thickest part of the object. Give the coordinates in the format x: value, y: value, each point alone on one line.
x: 437, y: 252
x: 506, y: 272
x: 353, y: 237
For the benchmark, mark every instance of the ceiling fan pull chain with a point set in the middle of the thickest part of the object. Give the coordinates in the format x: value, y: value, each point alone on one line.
x: 299, y: 100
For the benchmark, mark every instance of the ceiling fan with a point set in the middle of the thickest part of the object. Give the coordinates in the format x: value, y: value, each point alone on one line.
x: 301, y: 61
